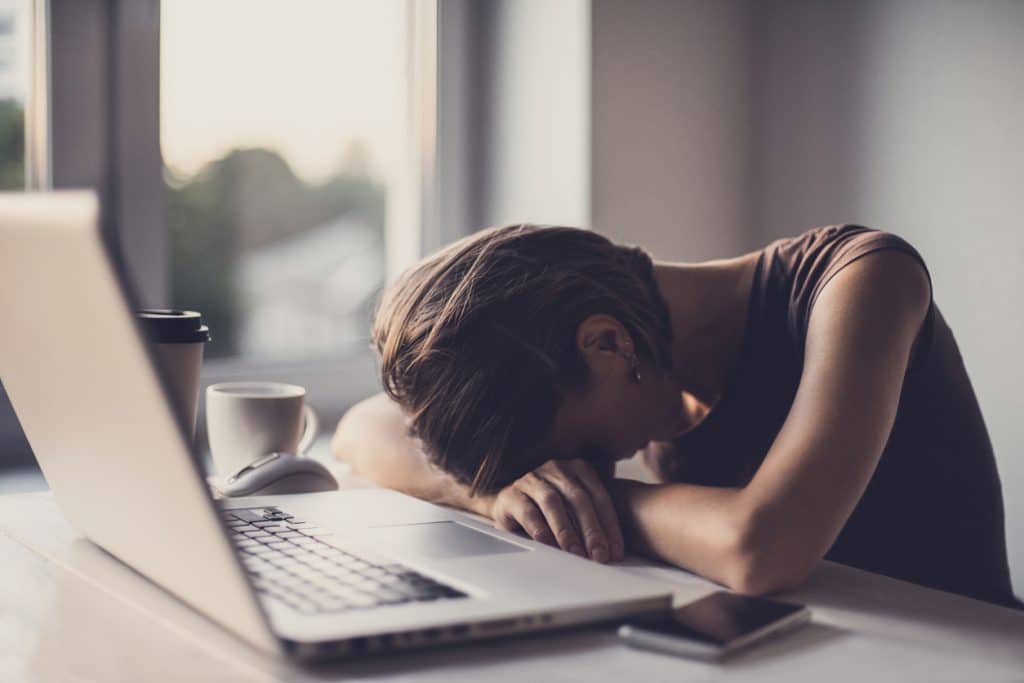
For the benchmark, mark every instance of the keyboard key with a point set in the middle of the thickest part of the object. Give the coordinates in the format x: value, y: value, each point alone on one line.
x: 326, y: 552
x: 259, y: 550
x: 277, y: 574
x: 304, y: 571
x: 350, y: 562
x: 247, y: 515
x: 252, y: 550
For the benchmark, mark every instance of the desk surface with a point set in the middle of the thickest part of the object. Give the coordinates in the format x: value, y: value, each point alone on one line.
x: 68, y: 611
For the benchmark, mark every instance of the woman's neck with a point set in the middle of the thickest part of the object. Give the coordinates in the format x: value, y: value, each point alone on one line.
x: 707, y: 304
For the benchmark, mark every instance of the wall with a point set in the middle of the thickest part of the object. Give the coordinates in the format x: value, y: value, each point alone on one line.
x: 669, y: 126
x: 718, y: 127
x: 536, y: 147
x: 944, y: 166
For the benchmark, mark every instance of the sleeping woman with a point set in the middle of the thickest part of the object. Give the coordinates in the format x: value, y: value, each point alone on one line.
x: 800, y: 402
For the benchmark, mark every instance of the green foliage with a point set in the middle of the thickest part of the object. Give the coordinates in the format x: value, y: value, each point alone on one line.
x: 202, y: 230
x: 12, y: 146
x: 246, y: 200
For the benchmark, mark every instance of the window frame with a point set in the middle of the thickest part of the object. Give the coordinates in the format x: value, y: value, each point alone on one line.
x: 99, y: 106
x: 92, y: 121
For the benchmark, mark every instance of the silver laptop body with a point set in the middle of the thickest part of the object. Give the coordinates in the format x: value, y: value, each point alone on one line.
x: 95, y: 411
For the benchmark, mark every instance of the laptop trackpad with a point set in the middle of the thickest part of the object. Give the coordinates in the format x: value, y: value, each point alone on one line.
x: 440, y: 540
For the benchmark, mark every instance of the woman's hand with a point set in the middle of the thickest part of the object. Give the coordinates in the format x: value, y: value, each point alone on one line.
x: 562, y: 503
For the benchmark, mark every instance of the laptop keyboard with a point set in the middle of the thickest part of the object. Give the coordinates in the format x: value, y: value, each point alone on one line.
x: 289, y: 560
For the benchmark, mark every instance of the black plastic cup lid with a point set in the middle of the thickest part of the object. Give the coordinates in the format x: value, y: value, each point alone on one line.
x: 167, y: 326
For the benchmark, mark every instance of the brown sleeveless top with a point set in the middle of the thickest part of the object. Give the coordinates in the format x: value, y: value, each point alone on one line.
x: 933, y: 510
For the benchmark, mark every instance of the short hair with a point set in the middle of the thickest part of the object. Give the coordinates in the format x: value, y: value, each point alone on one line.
x: 477, y: 342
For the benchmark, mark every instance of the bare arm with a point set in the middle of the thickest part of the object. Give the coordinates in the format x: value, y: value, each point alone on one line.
x: 770, y: 534
x: 373, y: 438
x: 561, y: 503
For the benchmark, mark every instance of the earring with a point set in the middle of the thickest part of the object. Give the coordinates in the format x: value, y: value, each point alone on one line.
x: 636, y: 370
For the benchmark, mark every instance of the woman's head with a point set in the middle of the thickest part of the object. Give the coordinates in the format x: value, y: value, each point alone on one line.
x: 520, y: 344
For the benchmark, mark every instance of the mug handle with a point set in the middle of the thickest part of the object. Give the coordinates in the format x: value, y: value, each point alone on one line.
x: 310, y: 431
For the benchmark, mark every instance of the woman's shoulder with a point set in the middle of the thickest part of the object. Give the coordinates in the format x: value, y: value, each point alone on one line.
x: 799, y: 267
x: 831, y: 244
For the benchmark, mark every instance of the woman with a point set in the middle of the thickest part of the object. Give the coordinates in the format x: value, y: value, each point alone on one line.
x: 802, y: 401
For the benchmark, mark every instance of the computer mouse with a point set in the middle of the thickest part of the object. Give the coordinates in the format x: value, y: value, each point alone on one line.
x: 277, y: 473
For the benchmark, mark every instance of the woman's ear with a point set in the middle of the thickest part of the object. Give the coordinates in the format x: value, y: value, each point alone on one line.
x: 604, y: 343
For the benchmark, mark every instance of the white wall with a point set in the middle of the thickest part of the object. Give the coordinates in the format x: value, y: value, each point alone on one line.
x: 669, y: 114
x: 719, y: 126
x: 538, y: 138
x: 944, y: 166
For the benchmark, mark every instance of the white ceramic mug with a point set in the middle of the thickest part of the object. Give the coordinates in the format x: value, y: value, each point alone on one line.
x: 247, y: 420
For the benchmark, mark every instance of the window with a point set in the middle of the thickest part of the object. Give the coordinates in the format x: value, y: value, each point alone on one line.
x: 14, y: 74
x: 290, y: 136
x: 296, y: 138
x: 13, y: 89
x: 283, y: 132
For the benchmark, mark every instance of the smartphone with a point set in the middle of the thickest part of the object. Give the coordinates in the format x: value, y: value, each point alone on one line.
x: 713, y: 626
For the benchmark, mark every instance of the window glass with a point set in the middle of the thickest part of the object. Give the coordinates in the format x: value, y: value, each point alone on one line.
x: 283, y: 125
x: 14, y: 72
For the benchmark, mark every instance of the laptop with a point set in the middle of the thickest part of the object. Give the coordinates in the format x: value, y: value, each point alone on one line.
x: 310, y: 576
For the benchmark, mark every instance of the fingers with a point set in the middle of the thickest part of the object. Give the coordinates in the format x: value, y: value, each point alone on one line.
x: 548, y: 499
x: 605, y: 508
x: 563, y: 503
x: 516, y: 512
x: 564, y: 478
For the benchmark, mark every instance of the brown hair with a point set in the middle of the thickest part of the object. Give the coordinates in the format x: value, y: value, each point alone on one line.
x: 478, y: 341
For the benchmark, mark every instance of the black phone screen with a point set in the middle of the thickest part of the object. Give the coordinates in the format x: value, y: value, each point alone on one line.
x: 720, y: 618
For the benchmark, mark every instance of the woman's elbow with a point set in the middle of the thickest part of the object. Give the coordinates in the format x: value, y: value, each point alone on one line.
x: 345, y: 441
x: 752, y: 577
x: 759, y: 566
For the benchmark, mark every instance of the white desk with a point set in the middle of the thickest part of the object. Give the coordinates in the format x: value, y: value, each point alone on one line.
x: 60, y: 620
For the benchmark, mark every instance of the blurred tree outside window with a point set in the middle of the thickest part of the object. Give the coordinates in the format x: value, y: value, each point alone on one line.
x: 13, y: 79
x: 12, y: 145
x: 279, y: 144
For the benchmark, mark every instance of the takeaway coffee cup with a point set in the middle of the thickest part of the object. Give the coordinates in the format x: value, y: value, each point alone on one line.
x: 178, y: 338
x: 248, y: 420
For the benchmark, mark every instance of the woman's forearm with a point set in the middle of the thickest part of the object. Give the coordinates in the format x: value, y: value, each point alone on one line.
x: 699, y: 528
x: 373, y: 439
